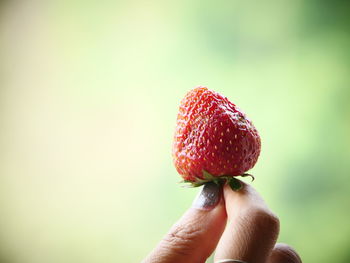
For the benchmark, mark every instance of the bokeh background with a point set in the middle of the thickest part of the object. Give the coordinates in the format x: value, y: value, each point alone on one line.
x: 89, y: 92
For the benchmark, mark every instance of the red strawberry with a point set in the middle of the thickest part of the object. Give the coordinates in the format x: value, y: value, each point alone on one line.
x: 214, y: 139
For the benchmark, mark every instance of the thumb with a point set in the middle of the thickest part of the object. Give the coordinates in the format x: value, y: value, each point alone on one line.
x: 194, y: 237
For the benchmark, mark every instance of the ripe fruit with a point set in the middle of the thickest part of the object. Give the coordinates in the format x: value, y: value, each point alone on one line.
x: 214, y: 140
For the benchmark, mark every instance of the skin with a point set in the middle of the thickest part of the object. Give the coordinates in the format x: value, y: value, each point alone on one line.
x: 240, y: 226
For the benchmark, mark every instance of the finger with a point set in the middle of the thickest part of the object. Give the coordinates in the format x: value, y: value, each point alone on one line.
x: 251, y: 230
x: 282, y: 253
x: 194, y: 237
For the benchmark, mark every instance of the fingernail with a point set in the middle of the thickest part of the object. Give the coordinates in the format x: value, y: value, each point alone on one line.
x: 208, y: 197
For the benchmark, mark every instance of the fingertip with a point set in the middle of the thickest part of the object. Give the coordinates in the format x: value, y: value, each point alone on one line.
x: 231, y: 193
x: 242, y: 191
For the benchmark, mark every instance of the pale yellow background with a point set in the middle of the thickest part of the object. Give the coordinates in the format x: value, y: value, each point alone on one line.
x: 89, y: 92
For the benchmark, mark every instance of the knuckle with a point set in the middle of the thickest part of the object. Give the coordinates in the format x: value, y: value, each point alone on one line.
x: 264, y: 218
x: 267, y: 217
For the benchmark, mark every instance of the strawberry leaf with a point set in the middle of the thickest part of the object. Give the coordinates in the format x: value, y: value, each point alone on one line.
x: 234, y: 184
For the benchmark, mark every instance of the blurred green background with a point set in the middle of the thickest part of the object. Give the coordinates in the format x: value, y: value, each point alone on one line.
x: 89, y: 92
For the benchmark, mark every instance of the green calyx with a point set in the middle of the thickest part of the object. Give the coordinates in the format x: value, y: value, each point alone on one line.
x: 234, y: 183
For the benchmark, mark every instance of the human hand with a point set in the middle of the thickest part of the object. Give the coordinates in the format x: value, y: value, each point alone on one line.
x: 238, y: 224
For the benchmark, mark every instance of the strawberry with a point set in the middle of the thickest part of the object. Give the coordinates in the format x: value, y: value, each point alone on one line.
x: 214, y: 140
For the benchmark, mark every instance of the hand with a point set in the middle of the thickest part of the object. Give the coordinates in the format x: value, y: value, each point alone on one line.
x: 237, y: 223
